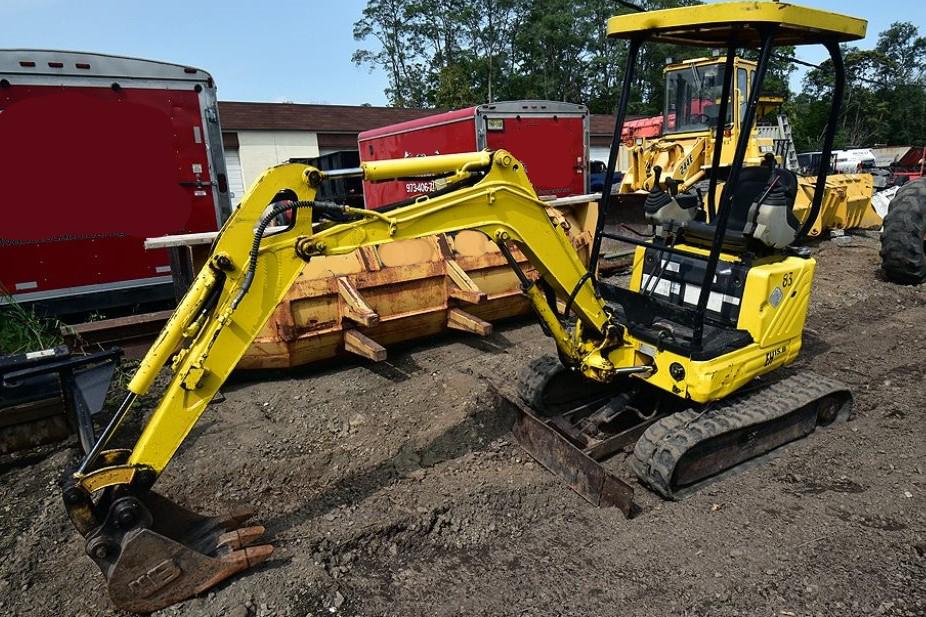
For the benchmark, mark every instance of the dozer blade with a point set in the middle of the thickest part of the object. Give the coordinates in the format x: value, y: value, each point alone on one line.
x: 155, y: 553
x: 579, y: 471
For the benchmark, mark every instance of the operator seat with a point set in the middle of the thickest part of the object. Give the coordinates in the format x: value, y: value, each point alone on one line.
x: 769, y: 222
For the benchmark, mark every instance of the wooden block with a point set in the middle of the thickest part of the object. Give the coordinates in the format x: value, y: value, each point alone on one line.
x: 356, y: 309
x: 362, y: 345
x: 461, y: 320
x: 461, y: 286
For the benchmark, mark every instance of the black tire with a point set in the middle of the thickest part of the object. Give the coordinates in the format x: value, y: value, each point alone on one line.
x: 902, y: 252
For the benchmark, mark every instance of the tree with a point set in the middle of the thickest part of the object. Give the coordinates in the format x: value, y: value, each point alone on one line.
x: 386, y: 22
x: 461, y: 53
x: 885, y: 99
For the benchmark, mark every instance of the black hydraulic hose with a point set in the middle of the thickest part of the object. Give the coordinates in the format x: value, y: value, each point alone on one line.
x: 575, y: 292
x: 721, y: 125
x: 627, y: 227
x: 839, y: 87
x: 107, y: 434
x: 277, y: 210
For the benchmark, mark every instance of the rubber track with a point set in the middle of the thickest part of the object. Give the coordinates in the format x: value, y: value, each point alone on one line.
x: 533, y: 377
x: 665, y: 442
x: 902, y: 255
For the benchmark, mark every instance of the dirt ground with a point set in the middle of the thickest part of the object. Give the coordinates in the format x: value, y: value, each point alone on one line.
x: 396, y: 489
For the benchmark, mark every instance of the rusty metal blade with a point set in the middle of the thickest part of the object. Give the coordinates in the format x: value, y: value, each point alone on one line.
x: 579, y: 471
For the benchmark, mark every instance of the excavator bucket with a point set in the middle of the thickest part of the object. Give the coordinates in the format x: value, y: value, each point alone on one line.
x: 155, y: 553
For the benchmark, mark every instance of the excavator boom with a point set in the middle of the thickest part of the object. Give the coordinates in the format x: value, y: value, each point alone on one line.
x: 149, y: 558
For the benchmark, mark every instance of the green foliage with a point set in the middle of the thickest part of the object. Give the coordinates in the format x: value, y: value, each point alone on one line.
x: 22, y: 330
x: 454, y: 54
x: 458, y: 53
x: 885, y: 101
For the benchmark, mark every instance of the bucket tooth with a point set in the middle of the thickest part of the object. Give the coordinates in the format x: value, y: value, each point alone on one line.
x: 239, y: 538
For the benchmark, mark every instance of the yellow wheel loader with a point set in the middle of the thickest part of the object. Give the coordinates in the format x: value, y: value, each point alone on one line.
x: 685, y: 151
x: 686, y: 360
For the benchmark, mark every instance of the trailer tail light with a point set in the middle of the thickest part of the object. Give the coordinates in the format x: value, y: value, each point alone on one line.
x: 189, y: 70
x: 56, y: 65
x: 82, y: 65
x: 27, y: 64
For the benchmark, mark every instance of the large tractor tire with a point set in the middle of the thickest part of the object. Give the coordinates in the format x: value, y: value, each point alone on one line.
x: 902, y: 240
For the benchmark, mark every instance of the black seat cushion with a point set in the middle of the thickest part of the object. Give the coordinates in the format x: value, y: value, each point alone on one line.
x: 752, y: 184
x: 785, y: 190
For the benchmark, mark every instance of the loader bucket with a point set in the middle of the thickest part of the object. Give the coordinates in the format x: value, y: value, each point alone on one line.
x: 155, y: 553
x: 363, y: 302
x: 846, y: 203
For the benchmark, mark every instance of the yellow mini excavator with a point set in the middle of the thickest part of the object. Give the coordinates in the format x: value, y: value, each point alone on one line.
x: 685, y: 361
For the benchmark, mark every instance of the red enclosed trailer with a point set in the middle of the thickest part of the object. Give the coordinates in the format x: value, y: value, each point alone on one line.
x: 549, y: 137
x: 100, y: 152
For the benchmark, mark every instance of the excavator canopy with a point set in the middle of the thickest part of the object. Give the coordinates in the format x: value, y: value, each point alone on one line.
x: 717, y: 25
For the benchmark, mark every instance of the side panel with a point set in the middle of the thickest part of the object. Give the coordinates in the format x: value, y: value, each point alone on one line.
x: 445, y: 138
x: 552, y: 148
x: 87, y: 173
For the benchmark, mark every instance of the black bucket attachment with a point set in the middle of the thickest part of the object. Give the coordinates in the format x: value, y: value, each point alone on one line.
x: 155, y: 553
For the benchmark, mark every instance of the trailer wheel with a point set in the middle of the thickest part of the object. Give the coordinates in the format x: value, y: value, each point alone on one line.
x: 902, y: 238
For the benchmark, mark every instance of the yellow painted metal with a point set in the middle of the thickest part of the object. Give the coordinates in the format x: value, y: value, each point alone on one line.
x: 108, y: 476
x: 687, y: 156
x: 846, y: 203
x: 375, y: 171
x: 412, y: 285
x: 716, y: 24
x: 172, y: 335
x: 209, y: 355
x: 775, y: 319
x: 502, y: 205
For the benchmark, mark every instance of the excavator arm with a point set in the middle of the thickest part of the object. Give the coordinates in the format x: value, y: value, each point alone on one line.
x: 154, y: 552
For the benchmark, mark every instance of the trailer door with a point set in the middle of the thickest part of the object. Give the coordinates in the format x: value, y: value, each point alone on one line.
x: 552, y: 148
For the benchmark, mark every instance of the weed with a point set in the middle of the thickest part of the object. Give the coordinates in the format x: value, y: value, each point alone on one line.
x: 22, y: 330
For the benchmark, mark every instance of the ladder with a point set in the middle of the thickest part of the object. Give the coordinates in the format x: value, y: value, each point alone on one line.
x: 784, y: 145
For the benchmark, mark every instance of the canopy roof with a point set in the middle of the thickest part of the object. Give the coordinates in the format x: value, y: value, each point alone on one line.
x: 713, y: 25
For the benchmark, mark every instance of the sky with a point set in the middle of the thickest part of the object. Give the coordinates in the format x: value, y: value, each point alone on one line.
x: 277, y: 50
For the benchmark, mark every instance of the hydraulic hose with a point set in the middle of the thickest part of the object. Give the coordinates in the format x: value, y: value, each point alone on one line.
x: 277, y: 210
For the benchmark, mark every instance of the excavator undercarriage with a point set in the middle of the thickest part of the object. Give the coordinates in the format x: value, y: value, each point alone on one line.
x: 686, y: 362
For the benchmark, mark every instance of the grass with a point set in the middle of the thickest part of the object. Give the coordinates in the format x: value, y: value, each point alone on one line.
x: 21, y: 330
